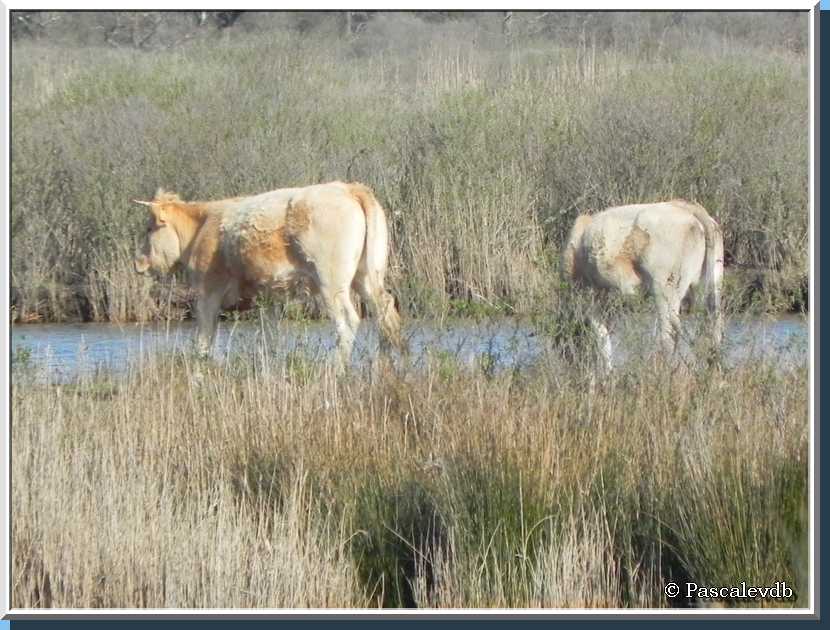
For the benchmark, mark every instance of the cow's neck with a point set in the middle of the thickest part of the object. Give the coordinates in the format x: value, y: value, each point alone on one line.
x: 186, y: 219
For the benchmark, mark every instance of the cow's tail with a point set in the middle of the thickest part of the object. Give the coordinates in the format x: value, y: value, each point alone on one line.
x: 372, y: 267
x: 712, y: 271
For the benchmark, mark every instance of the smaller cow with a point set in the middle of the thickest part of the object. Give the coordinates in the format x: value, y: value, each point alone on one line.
x: 665, y: 248
x: 331, y: 238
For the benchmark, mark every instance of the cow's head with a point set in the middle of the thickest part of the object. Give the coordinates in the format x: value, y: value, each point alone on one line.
x: 161, y: 249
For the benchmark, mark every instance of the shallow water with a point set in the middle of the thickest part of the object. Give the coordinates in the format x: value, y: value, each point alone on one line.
x: 62, y: 351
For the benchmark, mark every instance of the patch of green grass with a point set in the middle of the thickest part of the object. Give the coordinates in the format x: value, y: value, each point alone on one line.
x: 299, y: 368
x: 477, y: 309
x: 726, y: 517
x: 397, y: 525
x: 447, y: 364
x: 500, y: 517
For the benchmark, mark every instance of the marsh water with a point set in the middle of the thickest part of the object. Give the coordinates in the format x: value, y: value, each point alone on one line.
x: 62, y: 351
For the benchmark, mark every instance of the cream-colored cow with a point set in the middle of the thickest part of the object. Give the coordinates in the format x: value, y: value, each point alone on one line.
x: 665, y: 248
x: 331, y: 237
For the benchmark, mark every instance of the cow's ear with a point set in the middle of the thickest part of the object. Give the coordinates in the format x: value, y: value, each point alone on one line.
x: 161, y: 217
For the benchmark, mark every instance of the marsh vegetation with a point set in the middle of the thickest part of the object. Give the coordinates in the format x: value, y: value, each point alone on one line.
x: 482, y: 149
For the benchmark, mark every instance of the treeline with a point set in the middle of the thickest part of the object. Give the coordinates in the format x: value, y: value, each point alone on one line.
x: 161, y: 29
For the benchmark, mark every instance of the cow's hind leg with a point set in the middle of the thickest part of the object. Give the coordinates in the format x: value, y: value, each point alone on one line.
x: 668, y: 318
x: 382, y: 304
x: 338, y: 304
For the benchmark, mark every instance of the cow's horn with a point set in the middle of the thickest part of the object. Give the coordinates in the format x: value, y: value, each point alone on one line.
x: 143, y: 203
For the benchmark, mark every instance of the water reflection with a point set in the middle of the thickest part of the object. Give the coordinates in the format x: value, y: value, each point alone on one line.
x: 64, y: 350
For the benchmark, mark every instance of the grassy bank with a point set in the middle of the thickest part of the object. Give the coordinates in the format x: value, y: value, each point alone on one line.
x: 483, y: 151
x: 269, y: 484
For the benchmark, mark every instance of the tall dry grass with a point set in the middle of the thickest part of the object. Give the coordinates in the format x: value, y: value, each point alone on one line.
x: 262, y: 483
x: 483, y: 151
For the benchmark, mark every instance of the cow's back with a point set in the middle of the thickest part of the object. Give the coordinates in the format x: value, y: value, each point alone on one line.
x: 677, y: 242
x: 325, y: 222
x: 265, y: 238
x: 624, y: 246
x: 253, y: 243
x: 610, y: 249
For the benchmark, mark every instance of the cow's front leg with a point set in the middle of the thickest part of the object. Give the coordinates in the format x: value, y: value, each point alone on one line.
x: 207, y: 318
